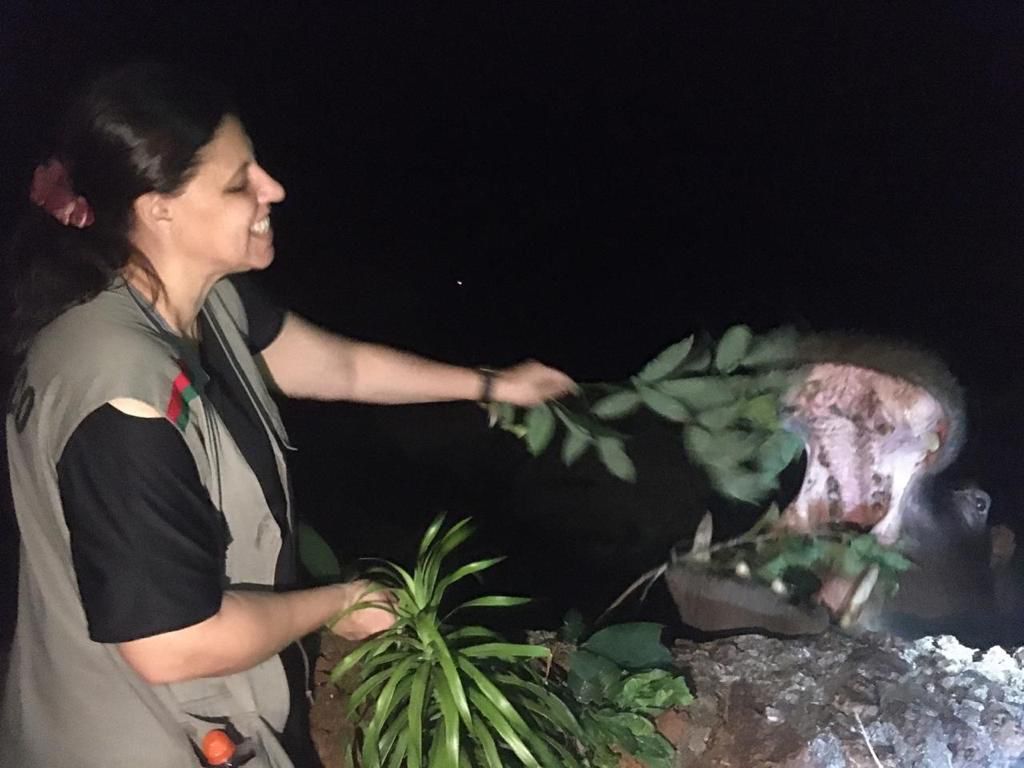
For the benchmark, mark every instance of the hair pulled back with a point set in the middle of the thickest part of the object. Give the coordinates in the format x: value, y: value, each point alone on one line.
x: 133, y: 130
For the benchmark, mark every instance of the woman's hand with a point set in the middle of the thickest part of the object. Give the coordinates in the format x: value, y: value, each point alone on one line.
x: 530, y: 383
x: 360, y: 623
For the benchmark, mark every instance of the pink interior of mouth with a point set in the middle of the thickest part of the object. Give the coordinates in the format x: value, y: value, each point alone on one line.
x: 867, y: 436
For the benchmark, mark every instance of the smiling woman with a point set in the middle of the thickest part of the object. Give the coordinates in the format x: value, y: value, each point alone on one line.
x: 159, y: 588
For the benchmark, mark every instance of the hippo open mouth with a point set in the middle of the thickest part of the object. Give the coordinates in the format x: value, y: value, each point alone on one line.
x: 868, y: 436
x: 878, y: 420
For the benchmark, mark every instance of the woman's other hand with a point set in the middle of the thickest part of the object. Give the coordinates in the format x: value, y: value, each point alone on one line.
x: 530, y: 383
x: 363, y: 622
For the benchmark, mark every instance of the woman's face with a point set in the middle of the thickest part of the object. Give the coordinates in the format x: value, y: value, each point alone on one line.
x: 221, y: 220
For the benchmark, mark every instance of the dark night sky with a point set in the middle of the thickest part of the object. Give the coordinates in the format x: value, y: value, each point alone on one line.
x: 605, y: 178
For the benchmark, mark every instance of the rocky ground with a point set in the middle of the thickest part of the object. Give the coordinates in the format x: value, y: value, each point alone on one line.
x: 827, y: 701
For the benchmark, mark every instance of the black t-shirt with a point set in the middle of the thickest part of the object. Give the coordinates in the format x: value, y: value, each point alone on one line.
x: 147, y: 542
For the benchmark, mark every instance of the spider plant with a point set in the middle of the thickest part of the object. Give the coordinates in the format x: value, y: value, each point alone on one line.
x: 432, y: 695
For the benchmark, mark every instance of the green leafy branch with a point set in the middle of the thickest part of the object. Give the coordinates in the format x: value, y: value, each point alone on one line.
x: 725, y: 397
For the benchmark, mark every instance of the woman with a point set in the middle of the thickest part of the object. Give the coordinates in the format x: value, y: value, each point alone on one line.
x: 147, y: 457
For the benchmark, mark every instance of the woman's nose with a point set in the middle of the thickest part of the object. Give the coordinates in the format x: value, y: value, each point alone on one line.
x: 269, y: 189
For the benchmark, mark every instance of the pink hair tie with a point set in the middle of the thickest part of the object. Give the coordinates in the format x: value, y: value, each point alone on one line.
x: 51, y: 191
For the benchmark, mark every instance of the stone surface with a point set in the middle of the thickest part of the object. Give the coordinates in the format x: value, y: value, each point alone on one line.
x: 802, y: 702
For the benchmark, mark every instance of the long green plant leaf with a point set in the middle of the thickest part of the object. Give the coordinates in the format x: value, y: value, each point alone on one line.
x: 431, y: 534
x: 417, y: 697
x: 503, y: 728
x: 448, y: 743
x: 505, y: 651
x: 467, y: 570
x: 488, y: 748
x: 426, y: 627
x: 382, y: 709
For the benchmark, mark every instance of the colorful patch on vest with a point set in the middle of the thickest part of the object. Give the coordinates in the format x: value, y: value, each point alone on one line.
x: 182, y: 394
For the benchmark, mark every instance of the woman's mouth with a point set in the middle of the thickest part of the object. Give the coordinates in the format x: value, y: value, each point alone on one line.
x: 261, y: 227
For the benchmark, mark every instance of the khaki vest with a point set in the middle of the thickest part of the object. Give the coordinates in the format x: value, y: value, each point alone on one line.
x: 73, y: 702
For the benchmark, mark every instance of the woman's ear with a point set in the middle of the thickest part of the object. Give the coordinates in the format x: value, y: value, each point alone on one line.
x: 151, y: 210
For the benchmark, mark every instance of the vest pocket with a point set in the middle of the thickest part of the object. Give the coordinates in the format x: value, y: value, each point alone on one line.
x: 216, y: 707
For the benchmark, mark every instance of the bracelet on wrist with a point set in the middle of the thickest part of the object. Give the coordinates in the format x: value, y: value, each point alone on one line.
x: 487, y: 377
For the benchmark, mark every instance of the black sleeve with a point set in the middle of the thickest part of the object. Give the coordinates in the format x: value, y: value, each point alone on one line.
x: 147, y: 543
x: 265, y: 317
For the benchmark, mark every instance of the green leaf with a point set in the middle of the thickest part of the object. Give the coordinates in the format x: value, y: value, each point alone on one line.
x: 697, y: 362
x: 493, y: 693
x: 654, y: 751
x: 466, y: 570
x: 368, y: 686
x: 652, y: 692
x: 614, y: 457
x: 591, y: 676
x: 732, y: 348
x: 699, y: 393
x: 719, y: 418
x: 540, y: 428
x: 506, y: 651
x: 614, y: 728
x: 553, y: 707
x: 502, y: 727
x: 778, y: 451
x: 470, y: 633
x: 417, y: 697
x: 616, y: 406
x: 636, y: 645
x: 316, y: 555
x: 763, y: 411
x: 492, y: 601
x: 390, y: 739
x: 448, y: 746
x: 743, y: 485
x: 488, y: 748
x: 664, y: 405
x: 428, y: 591
x: 667, y: 362
x: 426, y: 627
x: 397, y: 756
x: 350, y: 659
x: 431, y: 534
x: 382, y: 709
x: 575, y: 445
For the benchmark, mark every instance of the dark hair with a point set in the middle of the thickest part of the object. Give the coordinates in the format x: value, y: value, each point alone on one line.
x: 134, y: 130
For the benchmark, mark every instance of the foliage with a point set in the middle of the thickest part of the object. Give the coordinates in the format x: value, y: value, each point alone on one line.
x: 431, y: 695
x: 615, y: 703
x: 726, y: 398
x: 316, y: 555
x: 796, y: 563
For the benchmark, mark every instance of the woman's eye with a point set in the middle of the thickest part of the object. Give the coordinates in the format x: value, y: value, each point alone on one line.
x: 240, y: 188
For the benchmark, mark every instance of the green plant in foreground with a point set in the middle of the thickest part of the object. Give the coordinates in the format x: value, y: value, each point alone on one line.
x: 433, y: 695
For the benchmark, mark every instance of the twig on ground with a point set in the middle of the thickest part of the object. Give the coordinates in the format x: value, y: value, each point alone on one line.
x: 867, y: 741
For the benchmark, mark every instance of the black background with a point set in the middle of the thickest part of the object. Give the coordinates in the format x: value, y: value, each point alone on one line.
x: 603, y: 179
